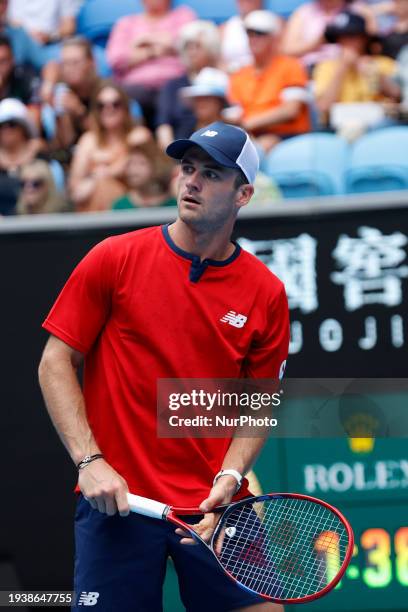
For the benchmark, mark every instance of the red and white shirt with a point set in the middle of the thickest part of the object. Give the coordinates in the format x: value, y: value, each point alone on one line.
x: 140, y: 308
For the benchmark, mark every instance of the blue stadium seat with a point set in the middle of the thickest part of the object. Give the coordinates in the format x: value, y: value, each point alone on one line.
x: 96, y: 17
x: 216, y: 10
x: 309, y: 165
x: 379, y: 161
x: 283, y: 7
x: 221, y: 10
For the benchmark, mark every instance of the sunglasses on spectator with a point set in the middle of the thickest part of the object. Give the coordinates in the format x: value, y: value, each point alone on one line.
x: 33, y: 183
x: 114, y: 104
x: 256, y: 33
x: 11, y: 123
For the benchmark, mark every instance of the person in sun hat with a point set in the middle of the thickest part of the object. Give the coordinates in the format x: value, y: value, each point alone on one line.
x: 13, y: 110
x: 207, y: 95
x: 19, y: 145
x: 148, y: 305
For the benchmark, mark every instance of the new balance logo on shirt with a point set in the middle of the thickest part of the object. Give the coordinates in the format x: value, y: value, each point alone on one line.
x: 234, y: 319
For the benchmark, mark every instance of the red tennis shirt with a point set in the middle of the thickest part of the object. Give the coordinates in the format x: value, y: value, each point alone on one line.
x: 140, y: 309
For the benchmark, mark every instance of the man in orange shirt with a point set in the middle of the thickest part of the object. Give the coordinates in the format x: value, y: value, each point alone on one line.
x: 272, y: 93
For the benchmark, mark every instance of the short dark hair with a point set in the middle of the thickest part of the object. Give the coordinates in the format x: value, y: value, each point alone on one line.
x: 5, y: 42
x: 81, y: 42
x: 240, y: 180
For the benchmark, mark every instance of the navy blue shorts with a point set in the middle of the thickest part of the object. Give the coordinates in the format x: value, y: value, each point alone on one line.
x: 124, y: 560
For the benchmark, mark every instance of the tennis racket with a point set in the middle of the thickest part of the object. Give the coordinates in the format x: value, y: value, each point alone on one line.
x: 285, y: 547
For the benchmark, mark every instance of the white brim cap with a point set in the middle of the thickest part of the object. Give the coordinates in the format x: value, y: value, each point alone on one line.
x: 263, y: 21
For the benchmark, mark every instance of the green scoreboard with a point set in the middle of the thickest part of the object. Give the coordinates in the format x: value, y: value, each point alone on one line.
x: 368, y: 481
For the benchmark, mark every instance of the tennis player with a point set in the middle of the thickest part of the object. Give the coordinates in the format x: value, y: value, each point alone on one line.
x: 176, y: 301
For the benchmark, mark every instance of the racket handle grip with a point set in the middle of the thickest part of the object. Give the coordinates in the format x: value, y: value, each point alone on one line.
x: 145, y: 506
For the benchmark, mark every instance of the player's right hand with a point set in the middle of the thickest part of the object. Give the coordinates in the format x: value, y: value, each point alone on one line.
x: 104, y: 488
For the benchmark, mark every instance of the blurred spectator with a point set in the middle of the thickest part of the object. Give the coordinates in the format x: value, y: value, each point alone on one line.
x: 142, y: 52
x: 397, y: 88
x: 355, y: 76
x: 38, y: 191
x: 272, y: 92
x: 199, y: 46
x: 45, y: 20
x: 266, y: 191
x: 18, y: 146
x: 71, y: 99
x: 207, y: 96
x: 148, y: 175
x: 25, y: 50
x: 401, y: 78
x: 397, y: 37
x: 15, y: 81
x: 235, y: 51
x: 99, y: 160
x: 304, y: 33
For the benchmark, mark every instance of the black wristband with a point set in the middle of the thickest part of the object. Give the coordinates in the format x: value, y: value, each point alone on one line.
x: 88, y: 459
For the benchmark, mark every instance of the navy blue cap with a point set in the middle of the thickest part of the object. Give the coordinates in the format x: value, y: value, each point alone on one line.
x: 228, y: 145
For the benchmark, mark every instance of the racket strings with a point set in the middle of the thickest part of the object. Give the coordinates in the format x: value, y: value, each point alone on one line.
x: 286, y: 548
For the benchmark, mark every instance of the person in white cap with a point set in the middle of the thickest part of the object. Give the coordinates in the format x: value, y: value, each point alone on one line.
x: 235, y: 51
x: 18, y: 146
x: 207, y: 96
x: 272, y: 91
x: 18, y: 135
x: 148, y: 305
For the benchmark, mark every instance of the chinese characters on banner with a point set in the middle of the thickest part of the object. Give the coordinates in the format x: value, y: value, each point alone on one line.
x: 370, y: 267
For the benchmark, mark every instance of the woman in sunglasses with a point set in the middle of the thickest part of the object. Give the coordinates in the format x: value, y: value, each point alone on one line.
x: 98, y: 165
x: 38, y: 190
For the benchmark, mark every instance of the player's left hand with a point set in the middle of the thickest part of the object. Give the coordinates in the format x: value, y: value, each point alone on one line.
x: 221, y: 493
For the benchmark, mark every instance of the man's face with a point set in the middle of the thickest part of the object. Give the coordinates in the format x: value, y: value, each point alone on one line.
x: 207, y: 197
x: 262, y: 45
x: 357, y: 43
x: 207, y: 109
x: 76, y: 67
x: 6, y: 62
x: 139, y: 170
x: 196, y: 55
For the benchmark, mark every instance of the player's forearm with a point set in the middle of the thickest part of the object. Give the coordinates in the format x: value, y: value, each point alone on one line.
x: 66, y: 406
x: 242, y: 454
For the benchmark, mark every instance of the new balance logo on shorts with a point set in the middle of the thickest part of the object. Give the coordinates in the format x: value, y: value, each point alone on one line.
x: 234, y: 319
x: 89, y: 598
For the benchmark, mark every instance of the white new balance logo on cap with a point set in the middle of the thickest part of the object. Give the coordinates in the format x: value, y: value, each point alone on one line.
x: 210, y: 133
